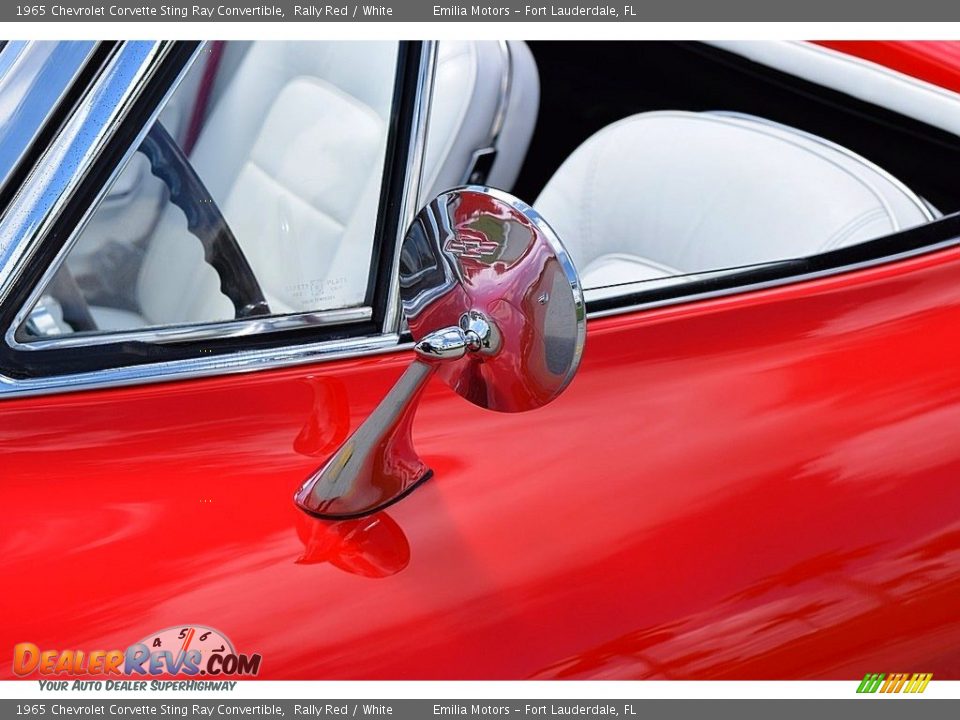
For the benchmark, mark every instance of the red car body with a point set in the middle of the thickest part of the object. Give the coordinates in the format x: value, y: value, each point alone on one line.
x: 758, y: 486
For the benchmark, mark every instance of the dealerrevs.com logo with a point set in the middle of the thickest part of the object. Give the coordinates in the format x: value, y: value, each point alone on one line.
x: 183, y: 651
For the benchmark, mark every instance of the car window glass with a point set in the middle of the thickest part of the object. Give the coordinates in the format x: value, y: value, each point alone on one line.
x: 255, y: 193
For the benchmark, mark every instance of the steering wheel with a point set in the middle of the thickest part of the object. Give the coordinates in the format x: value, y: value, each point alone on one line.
x: 205, y: 222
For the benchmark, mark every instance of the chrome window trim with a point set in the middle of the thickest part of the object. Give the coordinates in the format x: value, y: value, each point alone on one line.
x: 411, y: 201
x: 15, y: 225
x: 128, y: 93
x: 204, y: 365
x: 503, y: 96
x: 183, y: 333
x: 201, y: 366
x: 33, y: 78
x: 70, y: 156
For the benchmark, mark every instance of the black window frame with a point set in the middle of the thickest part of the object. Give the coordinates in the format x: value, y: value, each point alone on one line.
x: 111, y: 351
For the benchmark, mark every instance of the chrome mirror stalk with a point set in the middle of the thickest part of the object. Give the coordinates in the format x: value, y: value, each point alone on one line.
x: 377, y: 465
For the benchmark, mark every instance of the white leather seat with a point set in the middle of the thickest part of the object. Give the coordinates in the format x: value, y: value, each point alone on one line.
x: 661, y: 194
x: 292, y: 153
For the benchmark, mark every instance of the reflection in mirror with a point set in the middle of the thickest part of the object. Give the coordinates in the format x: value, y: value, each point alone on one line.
x: 479, y: 250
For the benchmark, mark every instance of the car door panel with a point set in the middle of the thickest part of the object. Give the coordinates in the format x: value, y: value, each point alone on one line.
x: 754, y: 486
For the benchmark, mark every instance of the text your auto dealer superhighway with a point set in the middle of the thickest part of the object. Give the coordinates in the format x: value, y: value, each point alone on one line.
x: 162, y: 11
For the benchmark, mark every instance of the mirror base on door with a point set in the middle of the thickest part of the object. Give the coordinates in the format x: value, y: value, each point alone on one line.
x: 377, y: 465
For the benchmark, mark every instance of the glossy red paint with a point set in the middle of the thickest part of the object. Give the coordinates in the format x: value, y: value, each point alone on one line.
x: 937, y: 62
x: 758, y: 486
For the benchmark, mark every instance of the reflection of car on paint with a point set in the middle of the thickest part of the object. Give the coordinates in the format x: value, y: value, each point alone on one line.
x: 751, y: 475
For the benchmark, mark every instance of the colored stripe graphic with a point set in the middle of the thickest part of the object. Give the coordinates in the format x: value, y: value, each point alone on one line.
x: 871, y: 682
x: 913, y: 683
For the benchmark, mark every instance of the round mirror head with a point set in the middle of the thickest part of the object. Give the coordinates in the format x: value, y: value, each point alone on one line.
x: 484, y: 261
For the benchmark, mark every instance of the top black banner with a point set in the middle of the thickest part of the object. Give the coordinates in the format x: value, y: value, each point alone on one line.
x: 496, y: 11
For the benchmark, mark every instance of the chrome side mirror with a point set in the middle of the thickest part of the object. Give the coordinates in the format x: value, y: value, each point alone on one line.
x: 496, y: 309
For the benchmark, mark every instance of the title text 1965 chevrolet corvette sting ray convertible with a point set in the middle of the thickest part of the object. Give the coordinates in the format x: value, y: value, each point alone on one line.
x: 479, y: 359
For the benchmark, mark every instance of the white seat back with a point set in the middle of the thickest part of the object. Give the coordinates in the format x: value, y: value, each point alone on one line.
x: 666, y: 193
